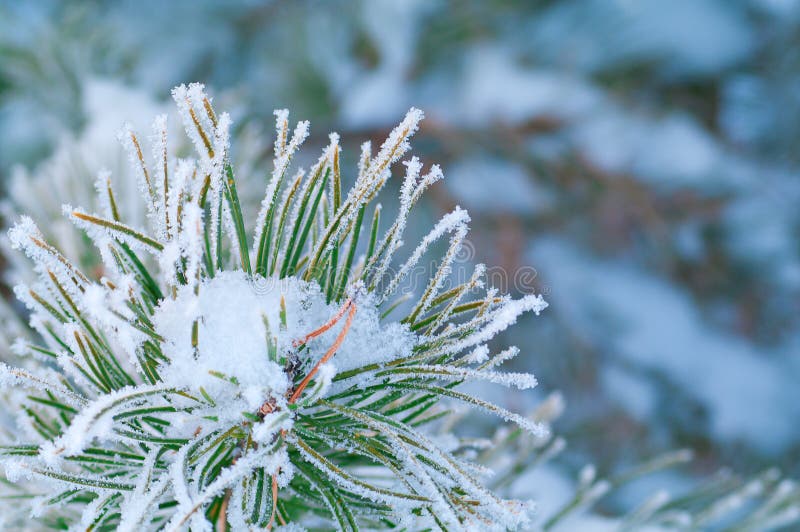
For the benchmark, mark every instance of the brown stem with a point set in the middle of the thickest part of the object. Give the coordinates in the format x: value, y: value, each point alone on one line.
x: 274, y: 501
x: 269, y: 406
x: 331, y: 351
x: 330, y: 323
x: 222, y: 518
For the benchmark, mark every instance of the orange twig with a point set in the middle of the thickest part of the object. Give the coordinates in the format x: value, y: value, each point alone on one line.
x: 330, y: 323
x: 269, y: 406
x: 331, y: 351
x: 222, y: 518
x: 274, y: 501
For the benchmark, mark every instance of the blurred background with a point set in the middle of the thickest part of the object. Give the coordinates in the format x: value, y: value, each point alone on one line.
x: 634, y: 160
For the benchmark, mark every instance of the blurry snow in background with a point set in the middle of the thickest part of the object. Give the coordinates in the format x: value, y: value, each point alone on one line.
x: 640, y: 154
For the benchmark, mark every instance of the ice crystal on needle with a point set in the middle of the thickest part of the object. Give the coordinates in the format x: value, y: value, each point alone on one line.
x: 215, y: 376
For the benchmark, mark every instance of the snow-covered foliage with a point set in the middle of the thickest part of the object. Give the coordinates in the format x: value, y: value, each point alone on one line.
x: 642, y: 156
x: 211, y: 374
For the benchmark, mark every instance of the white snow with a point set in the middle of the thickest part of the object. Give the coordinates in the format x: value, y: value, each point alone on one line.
x: 230, y: 310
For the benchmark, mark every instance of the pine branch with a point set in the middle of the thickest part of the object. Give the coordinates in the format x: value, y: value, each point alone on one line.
x: 196, y: 391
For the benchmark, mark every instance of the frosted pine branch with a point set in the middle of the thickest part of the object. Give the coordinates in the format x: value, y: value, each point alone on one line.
x: 215, y: 375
